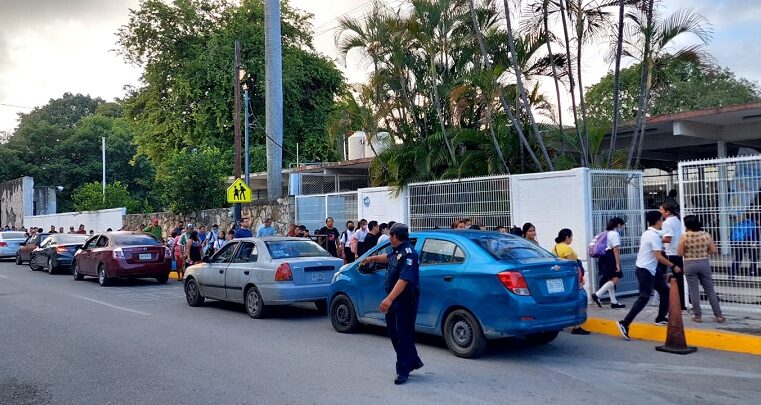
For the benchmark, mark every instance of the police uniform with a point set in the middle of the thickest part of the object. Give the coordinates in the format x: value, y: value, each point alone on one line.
x: 403, y: 264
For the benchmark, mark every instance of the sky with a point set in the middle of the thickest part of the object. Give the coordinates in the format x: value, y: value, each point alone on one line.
x: 48, y: 47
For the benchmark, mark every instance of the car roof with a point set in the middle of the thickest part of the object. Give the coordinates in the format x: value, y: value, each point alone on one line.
x: 269, y: 238
x: 456, y: 232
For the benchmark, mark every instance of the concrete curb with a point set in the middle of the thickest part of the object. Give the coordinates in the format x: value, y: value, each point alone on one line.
x: 709, y: 339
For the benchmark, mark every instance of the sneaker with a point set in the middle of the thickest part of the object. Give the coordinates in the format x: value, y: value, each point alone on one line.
x: 661, y: 321
x: 624, y: 330
x: 401, y: 379
x: 596, y: 299
x: 720, y: 319
x: 697, y: 319
x: 580, y: 331
x: 616, y: 305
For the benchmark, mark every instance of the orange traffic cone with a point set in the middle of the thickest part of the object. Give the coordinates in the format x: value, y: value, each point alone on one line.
x: 676, y: 342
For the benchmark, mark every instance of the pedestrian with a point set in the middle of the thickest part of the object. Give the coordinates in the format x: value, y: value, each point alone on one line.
x: 192, y: 251
x: 516, y: 231
x: 109, y: 230
x: 52, y: 229
x: 81, y: 230
x: 744, y: 239
x: 292, y: 230
x: 467, y: 223
x: 223, y: 239
x: 189, y: 229
x: 650, y: 275
x: 383, y: 238
x: 695, y: 248
x: 609, y: 265
x: 330, y: 237
x: 92, y: 232
x: 373, y: 233
x: 529, y: 233
x: 155, y: 229
x: 208, y: 244
x: 500, y: 229
x: 245, y: 229
x: 178, y: 254
x: 359, y: 236
x: 71, y: 230
x: 344, y: 242
x: 266, y: 229
x: 202, y: 235
x: 564, y: 251
x: 671, y: 199
x: 671, y: 234
x: 60, y: 230
x: 401, y: 303
x: 303, y: 232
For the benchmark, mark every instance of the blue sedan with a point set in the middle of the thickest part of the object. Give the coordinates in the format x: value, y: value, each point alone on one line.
x: 474, y: 286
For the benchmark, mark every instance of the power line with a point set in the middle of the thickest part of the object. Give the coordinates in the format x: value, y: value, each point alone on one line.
x: 16, y: 106
x: 363, y: 5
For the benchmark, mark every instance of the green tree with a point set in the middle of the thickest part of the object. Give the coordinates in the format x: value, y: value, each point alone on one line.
x: 90, y: 197
x: 190, y: 180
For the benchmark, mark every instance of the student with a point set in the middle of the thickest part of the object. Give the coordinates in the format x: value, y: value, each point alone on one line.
x: 610, y: 264
x: 672, y: 233
x: 359, y: 236
x: 373, y: 233
x: 344, y: 242
x: 650, y: 275
x: 563, y: 250
x: 695, y: 247
x: 384, y: 227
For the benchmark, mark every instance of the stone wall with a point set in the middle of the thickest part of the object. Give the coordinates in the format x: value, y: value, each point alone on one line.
x: 281, y: 212
x: 16, y: 201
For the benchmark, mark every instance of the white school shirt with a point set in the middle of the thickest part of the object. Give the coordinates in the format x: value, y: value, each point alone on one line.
x: 614, y: 240
x: 345, y: 238
x: 672, y: 227
x: 360, y: 235
x: 649, y: 243
x: 383, y: 238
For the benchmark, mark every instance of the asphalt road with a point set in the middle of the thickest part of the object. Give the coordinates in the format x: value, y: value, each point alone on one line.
x: 69, y: 342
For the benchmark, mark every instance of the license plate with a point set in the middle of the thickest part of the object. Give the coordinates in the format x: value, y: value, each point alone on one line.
x: 555, y: 285
x: 144, y: 256
x: 319, y: 276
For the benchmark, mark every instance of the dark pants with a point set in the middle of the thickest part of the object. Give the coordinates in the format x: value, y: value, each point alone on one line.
x: 739, y: 252
x: 648, y: 283
x: 677, y: 260
x: 349, y: 255
x: 400, y: 320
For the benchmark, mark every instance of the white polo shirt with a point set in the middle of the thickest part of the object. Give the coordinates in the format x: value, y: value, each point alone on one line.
x: 649, y: 243
x: 614, y: 240
x: 672, y: 227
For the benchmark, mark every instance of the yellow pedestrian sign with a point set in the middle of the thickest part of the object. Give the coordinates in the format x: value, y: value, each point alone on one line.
x: 239, y: 192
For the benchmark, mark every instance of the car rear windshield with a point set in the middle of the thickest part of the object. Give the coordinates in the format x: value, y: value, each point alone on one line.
x: 62, y: 239
x: 508, y: 247
x: 135, y: 240
x: 284, y: 249
x: 12, y: 235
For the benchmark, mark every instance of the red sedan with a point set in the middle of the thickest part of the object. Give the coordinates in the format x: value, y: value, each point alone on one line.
x: 122, y: 255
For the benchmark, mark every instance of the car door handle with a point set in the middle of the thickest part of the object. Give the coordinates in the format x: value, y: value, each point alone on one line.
x: 448, y: 278
x: 246, y: 272
x: 221, y: 272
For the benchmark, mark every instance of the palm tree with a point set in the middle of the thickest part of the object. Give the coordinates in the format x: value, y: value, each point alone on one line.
x: 617, y: 80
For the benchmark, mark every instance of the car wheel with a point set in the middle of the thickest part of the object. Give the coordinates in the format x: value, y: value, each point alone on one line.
x: 51, y: 269
x: 192, y: 293
x: 342, y: 315
x: 322, y: 306
x: 463, y: 334
x: 254, y: 303
x: 163, y: 279
x: 19, y: 262
x: 542, y: 338
x: 75, y: 272
x: 103, y: 279
x: 32, y: 264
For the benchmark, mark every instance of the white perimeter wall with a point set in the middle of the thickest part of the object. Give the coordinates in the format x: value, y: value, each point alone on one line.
x: 98, y: 221
x: 382, y: 204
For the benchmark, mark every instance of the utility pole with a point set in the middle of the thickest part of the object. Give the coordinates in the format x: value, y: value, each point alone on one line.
x: 236, y: 123
x: 273, y: 56
x: 103, y: 155
x: 246, y: 101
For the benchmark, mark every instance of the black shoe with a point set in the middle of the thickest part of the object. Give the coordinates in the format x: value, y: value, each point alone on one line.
x: 617, y: 305
x: 596, y: 299
x: 624, y: 330
x: 418, y: 366
x: 401, y: 379
x: 661, y: 321
x: 580, y: 331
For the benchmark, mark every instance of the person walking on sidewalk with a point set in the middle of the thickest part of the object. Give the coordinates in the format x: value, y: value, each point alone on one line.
x: 650, y: 274
x: 563, y: 250
x: 672, y: 233
x: 695, y: 247
x: 610, y: 264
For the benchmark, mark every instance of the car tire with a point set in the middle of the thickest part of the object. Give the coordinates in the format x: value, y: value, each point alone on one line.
x: 463, y: 334
x: 19, y: 262
x: 322, y: 306
x: 103, y: 279
x: 163, y: 279
x: 75, y: 272
x: 254, y: 304
x: 192, y: 293
x: 32, y: 265
x: 542, y: 338
x: 342, y: 315
x: 51, y: 269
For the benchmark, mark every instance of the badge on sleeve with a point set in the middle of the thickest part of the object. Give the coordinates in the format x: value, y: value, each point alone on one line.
x: 399, y: 256
x: 409, y: 262
x: 408, y: 250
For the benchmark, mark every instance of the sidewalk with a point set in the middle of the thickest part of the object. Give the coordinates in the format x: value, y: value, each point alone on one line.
x: 740, y: 333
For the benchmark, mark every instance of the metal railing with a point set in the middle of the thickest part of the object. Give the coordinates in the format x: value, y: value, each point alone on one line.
x: 318, y: 183
x: 311, y: 210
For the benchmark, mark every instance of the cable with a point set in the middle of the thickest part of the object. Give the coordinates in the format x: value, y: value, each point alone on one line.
x: 16, y: 106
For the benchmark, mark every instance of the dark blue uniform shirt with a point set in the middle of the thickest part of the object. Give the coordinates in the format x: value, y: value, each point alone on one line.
x: 403, y: 264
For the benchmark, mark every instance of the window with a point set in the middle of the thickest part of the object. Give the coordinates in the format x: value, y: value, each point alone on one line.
x: 90, y: 243
x: 247, y: 253
x: 509, y: 247
x: 70, y: 239
x: 135, y: 240
x: 437, y: 251
x: 284, y: 249
x: 225, y: 254
x: 48, y: 242
x: 102, y: 242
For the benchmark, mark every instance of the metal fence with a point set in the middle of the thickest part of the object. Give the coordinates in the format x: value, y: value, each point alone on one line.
x: 483, y: 200
x: 318, y: 183
x: 311, y: 210
x: 619, y: 194
x: 725, y: 194
x: 656, y: 187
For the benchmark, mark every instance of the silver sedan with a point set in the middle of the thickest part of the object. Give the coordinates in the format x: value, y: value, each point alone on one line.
x: 262, y: 272
x: 10, y: 241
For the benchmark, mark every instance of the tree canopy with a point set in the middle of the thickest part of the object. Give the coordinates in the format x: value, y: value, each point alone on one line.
x: 90, y: 197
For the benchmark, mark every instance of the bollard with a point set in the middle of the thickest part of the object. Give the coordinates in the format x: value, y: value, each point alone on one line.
x: 676, y: 342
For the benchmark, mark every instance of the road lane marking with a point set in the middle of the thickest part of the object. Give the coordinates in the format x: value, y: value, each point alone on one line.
x: 2, y: 276
x: 114, y: 306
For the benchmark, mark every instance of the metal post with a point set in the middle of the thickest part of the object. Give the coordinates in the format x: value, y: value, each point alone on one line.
x: 103, y: 147
x: 236, y: 124
x: 273, y: 98
x: 247, y: 168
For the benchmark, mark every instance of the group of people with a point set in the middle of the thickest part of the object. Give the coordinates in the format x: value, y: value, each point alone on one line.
x: 350, y: 244
x: 35, y: 230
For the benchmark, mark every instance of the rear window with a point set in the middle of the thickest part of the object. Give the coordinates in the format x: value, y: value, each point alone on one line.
x: 70, y: 238
x: 134, y: 240
x: 12, y: 235
x: 284, y: 249
x: 509, y: 247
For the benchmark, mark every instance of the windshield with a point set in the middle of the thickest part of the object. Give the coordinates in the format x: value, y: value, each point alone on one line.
x: 135, y: 240
x: 284, y: 249
x: 63, y: 239
x: 509, y: 247
x: 12, y: 235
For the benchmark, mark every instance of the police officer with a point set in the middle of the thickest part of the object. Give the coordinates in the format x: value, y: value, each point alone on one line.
x: 400, y: 305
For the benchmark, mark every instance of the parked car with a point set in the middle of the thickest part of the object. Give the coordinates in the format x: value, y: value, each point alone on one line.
x: 474, y: 286
x: 56, y: 252
x: 122, y: 255
x: 10, y: 241
x: 262, y: 272
x: 25, y: 250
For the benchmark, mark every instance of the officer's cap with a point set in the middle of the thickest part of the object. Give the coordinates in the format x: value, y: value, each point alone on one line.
x: 401, y: 231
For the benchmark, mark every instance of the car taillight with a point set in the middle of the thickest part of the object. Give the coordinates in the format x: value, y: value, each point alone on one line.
x: 514, y: 282
x: 3, y: 244
x: 284, y: 273
x: 61, y: 249
x: 118, y: 253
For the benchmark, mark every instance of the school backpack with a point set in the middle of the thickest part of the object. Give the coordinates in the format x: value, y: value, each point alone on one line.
x: 598, y: 246
x: 744, y: 231
x: 354, y: 245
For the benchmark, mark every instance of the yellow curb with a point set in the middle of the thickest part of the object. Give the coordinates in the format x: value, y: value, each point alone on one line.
x: 709, y: 339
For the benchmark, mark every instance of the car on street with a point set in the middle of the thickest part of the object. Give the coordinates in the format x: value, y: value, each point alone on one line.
x: 56, y: 252
x: 26, y: 248
x: 10, y: 241
x: 264, y: 272
x: 474, y: 286
x: 122, y: 255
